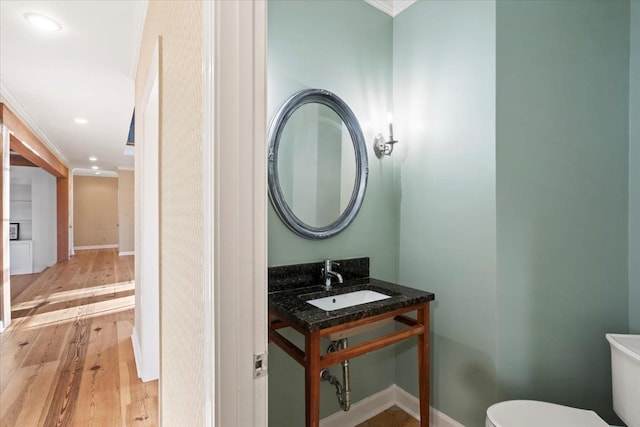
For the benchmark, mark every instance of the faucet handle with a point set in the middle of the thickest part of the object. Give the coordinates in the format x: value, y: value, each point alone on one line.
x: 328, y: 263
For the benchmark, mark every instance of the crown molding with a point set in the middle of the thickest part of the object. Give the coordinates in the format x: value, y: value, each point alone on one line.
x: 391, y: 7
x: 384, y: 5
x: 139, y: 17
x: 11, y: 101
x: 400, y: 5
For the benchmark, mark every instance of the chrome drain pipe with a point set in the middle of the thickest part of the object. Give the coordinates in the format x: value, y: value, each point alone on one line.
x: 342, y: 392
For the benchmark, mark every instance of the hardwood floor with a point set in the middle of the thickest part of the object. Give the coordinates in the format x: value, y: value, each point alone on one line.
x: 392, y: 417
x: 67, y: 359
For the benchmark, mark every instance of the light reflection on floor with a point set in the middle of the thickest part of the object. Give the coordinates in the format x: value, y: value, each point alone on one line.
x: 75, y: 294
x: 87, y: 311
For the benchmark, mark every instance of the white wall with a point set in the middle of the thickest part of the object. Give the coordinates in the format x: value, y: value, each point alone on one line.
x: 43, y: 205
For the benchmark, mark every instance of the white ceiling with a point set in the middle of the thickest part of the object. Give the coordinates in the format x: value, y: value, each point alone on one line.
x: 84, y: 71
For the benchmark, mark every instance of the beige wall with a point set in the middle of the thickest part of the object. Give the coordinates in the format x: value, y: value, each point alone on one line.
x: 125, y: 211
x: 181, y: 258
x: 95, y: 211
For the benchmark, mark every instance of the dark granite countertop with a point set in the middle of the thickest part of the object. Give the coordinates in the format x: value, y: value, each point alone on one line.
x: 290, y: 303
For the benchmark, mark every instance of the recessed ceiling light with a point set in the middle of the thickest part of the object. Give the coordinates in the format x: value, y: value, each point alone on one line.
x: 81, y: 121
x: 43, y: 23
x: 94, y: 167
x: 93, y: 158
x: 97, y: 173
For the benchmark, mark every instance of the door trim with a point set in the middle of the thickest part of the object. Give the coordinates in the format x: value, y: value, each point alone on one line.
x: 234, y: 104
x: 208, y: 185
x: 146, y: 333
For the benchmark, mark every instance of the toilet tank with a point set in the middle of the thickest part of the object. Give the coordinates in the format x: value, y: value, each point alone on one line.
x: 625, y: 374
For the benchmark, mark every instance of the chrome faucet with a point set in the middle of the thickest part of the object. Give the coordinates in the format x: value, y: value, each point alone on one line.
x: 327, y: 274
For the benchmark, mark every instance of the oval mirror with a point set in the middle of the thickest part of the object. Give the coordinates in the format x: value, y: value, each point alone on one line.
x: 317, y: 164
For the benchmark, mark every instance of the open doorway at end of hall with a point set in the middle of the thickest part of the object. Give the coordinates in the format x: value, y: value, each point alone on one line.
x: 103, y: 212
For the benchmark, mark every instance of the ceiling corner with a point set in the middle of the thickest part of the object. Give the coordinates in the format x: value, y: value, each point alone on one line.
x: 384, y: 5
x: 391, y: 7
x: 400, y: 5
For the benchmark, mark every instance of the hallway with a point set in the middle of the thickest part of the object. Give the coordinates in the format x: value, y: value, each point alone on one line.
x: 67, y: 358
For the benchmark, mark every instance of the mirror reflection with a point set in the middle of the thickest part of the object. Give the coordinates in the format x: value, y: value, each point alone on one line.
x: 316, y: 164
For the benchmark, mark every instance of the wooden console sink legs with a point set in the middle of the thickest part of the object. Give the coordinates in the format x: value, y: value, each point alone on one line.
x: 313, y: 362
x: 423, y: 365
x: 312, y: 379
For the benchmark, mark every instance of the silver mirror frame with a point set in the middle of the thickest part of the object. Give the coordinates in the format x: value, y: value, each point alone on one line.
x: 276, y: 128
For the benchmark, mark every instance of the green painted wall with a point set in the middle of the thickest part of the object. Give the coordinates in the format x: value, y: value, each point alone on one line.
x: 344, y: 47
x: 634, y: 171
x: 444, y: 92
x: 521, y: 234
x: 562, y: 197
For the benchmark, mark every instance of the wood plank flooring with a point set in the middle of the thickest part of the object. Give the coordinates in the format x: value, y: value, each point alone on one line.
x: 392, y: 417
x: 67, y: 359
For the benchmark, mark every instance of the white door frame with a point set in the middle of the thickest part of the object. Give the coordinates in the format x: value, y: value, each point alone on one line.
x: 72, y: 250
x: 146, y: 332
x: 235, y: 211
x: 5, y: 168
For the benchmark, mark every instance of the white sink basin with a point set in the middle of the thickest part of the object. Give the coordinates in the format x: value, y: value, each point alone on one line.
x: 336, y: 302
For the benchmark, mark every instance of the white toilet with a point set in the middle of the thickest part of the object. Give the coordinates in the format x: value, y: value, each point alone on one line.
x: 625, y: 367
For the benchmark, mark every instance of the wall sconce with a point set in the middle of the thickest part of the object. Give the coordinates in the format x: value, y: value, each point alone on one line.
x: 382, y: 147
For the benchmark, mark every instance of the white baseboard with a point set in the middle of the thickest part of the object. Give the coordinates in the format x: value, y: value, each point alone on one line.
x: 136, y: 352
x: 82, y: 248
x: 385, y: 399
x: 41, y: 268
x: 143, y: 373
x: 363, y: 410
x: 125, y: 253
x: 411, y: 405
x: 18, y: 271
